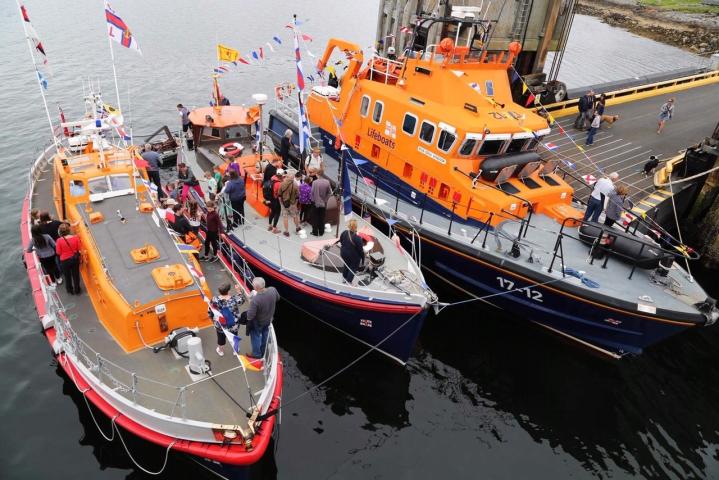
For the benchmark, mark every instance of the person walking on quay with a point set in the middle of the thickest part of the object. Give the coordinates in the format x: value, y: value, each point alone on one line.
x: 586, y: 110
x: 153, y: 168
x: 68, y: 248
x: 666, y: 112
x: 602, y: 189
x: 260, y: 315
x: 593, y: 127
x: 321, y: 191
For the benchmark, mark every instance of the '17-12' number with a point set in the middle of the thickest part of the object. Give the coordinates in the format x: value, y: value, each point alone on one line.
x: 531, y: 294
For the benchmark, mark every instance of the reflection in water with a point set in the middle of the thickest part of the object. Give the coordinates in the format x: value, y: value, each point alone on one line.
x: 648, y: 416
x: 379, y: 387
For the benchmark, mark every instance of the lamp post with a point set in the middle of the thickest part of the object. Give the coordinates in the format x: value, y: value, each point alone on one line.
x: 261, y: 100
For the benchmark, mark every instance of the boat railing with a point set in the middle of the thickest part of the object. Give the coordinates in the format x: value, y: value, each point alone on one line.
x: 328, y: 257
x: 386, y: 70
x: 162, y: 398
x: 604, y: 231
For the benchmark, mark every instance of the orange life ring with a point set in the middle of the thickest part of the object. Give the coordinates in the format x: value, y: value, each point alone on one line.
x: 232, y: 149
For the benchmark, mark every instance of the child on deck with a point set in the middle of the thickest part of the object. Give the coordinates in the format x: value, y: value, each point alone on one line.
x: 211, y: 184
x: 213, y: 226
x: 305, y: 199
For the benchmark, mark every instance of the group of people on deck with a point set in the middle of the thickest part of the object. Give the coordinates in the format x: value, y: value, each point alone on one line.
x: 607, y: 192
x: 57, y: 249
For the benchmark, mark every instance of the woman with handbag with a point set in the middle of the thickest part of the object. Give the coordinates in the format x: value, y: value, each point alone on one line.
x: 68, y: 248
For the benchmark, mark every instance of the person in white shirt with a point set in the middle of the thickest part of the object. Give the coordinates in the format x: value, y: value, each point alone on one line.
x: 602, y: 189
x: 314, y: 162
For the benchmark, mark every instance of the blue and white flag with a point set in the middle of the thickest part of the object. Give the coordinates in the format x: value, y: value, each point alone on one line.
x: 41, y: 79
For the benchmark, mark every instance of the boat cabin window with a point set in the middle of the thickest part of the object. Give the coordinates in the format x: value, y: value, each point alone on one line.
x: 467, y: 147
x: 489, y: 88
x: 237, y: 132
x: 409, y: 125
x: 426, y: 132
x: 446, y: 140
x: 516, y: 145
x: 211, y: 132
x: 490, y: 147
x: 77, y: 188
x: 377, y: 112
x: 109, y: 186
x: 364, y: 106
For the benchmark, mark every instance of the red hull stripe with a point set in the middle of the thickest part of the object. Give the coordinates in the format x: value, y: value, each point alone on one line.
x: 318, y: 293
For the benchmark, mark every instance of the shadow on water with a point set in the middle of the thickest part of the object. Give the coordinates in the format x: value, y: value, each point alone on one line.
x: 320, y: 351
x: 652, y: 415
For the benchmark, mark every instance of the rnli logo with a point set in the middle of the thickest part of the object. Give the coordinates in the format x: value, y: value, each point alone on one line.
x: 378, y: 137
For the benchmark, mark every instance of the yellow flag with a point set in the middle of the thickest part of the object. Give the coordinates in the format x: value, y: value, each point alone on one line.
x: 550, y: 118
x: 580, y: 148
x: 524, y: 87
x: 227, y: 54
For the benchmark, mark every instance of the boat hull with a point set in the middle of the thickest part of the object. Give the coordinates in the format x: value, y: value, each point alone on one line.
x: 393, y: 328
x: 235, y: 457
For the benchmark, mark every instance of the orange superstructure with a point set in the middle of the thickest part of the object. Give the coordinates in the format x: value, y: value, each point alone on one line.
x: 444, y: 123
x: 141, y: 286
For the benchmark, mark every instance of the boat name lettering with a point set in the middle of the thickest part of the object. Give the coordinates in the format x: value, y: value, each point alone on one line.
x: 431, y: 155
x: 365, y: 323
x: 528, y: 291
x: 374, y: 134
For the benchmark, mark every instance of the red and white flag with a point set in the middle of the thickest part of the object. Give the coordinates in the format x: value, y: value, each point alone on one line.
x: 119, y: 31
x: 405, y: 29
x: 32, y: 35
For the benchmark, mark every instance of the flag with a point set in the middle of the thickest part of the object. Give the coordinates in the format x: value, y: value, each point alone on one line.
x: 561, y: 130
x: 185, y: 248
x: 65, y: 130
x: 515, y: 76
x: 551, y: 146
x: 306, y: 37
x: 32, y: 35
x: 219, y: 70
x: 262, y: 54
x: 277, y: 39
x: 269, y: 45
x: 216, y: 94
x: 359, y: 161
x: 530, y: 100
x: 580, y: 148
x: 226, y: 54
x: 235, y: 343
x: 346, y: 191
x: 118, y: 30
x: 254, y: 55
x: 41, y: 79
x: 304, y: 132
x: 569, y: 164
x: 405, y: 29
x: 298, y: 61
x: 589, y: 179
x: 242, y: 60
x: 475, y: 86
x: 524, y: 88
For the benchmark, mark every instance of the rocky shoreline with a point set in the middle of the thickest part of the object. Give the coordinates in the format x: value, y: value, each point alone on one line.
x: 696, y: 33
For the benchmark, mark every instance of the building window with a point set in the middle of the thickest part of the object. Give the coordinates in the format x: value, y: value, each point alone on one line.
x: 409, y: 126
x: 364, y: 106
x: 426, y: 132
x: 467, y: 147
x: 446, y: 140
x: 490, y: 147
x: 377, y: 112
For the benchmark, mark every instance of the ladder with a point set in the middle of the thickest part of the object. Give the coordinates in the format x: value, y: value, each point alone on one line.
x: 520, y: 20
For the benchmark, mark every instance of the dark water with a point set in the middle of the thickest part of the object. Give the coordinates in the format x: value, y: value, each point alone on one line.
x: 485, y: 395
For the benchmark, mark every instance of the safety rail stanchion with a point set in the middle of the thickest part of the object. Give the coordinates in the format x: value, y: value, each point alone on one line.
x: 636, y: 259
x: 396, y: 202
x: 279, y: 251
x: 421, y: 215
x: 451, y: 219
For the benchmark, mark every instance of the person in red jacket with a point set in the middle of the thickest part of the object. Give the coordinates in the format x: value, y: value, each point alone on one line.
x: 213, y: 226
x: 68, y: 248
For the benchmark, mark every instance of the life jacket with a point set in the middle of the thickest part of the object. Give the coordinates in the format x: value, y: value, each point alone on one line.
x: 191, y: 239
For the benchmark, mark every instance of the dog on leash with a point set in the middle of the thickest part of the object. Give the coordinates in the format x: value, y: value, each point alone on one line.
x: 651, y: 165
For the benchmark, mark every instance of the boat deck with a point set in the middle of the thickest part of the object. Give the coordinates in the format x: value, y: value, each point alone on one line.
x: 161, y: 375
x: 613, y: 281
x: 399, y: 281
x: 626, y: 145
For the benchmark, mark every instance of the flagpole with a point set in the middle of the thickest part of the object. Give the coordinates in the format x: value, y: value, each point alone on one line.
x: 37, y: 77
x: 114, y: 71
